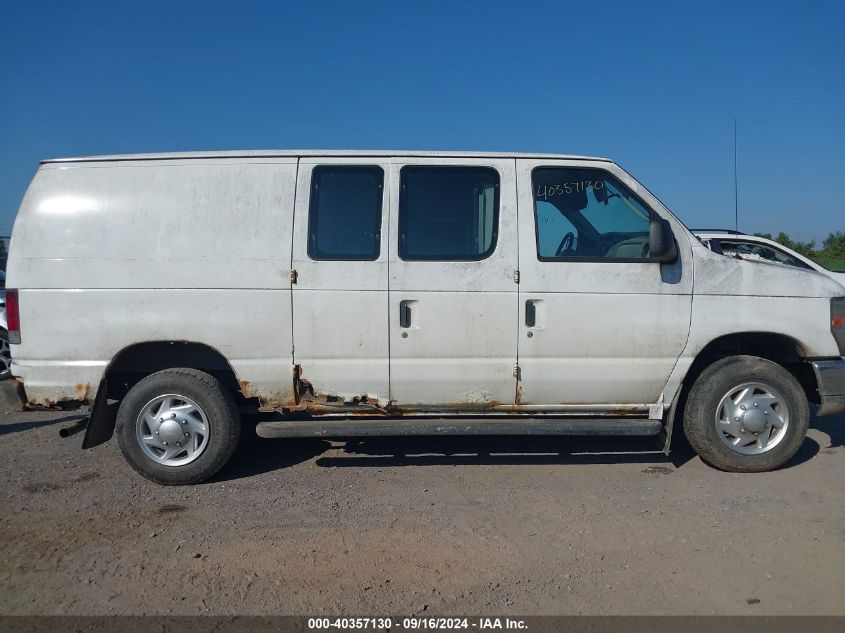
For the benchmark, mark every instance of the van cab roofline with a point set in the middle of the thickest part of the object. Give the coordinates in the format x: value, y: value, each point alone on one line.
x: 271, y: 153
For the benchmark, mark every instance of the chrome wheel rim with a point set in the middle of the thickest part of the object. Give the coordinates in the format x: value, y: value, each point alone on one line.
x: 172, y: 430
x: 752, y: 418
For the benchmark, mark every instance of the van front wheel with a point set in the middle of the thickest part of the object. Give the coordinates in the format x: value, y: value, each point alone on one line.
x: 746, y: 414
x: 178, y: 426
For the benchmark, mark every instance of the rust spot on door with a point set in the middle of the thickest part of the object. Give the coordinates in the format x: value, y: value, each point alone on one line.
x: 306, y: 397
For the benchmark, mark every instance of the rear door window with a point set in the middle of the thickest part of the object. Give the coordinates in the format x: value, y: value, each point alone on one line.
x: 448, y: 213
x: 344, y: 216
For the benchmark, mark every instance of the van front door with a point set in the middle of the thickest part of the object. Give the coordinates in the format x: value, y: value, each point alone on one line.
x: 453, y: 299
x: 601, y: 325
x: 340, y: 296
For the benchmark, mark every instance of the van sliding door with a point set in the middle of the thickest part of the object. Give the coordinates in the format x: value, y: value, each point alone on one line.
x: 453, y: 293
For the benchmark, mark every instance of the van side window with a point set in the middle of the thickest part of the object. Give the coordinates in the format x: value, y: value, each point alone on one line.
x: 586, y: 214
x: 448, y: 213
x: 344, y: 217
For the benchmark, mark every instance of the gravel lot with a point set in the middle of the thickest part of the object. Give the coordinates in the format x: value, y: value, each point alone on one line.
x: 401, y: 527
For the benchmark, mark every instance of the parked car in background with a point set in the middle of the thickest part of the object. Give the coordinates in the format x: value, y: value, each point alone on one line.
x: 374, y: 293
x: 5, y: 353
x: 754, y: 248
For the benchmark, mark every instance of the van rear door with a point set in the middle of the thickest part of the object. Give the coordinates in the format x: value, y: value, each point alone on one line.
x: 453, y: 299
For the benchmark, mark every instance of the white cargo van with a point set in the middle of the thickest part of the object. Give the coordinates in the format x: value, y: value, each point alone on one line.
x: 402, y: 293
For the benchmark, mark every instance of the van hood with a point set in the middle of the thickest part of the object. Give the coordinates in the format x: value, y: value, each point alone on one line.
x: 722, y: 275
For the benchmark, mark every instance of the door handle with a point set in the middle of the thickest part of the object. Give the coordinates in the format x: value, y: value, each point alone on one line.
x: 535, y: 315
x: 530, y: 314
x: 406, y: 313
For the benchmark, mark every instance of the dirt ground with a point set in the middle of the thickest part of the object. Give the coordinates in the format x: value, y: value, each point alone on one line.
x: 419, y: 526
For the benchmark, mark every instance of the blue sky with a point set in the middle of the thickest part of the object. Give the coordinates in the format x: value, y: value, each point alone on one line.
x: 653, y: 85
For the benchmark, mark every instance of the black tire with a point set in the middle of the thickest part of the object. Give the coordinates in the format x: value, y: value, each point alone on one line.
x: 218, y: 405
x: 703, y: 401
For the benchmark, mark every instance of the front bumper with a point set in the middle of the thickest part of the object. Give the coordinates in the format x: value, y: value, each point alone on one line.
x: 830, y: 376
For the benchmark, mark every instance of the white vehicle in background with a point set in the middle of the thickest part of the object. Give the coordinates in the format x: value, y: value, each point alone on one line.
x: 754, y: 248
x: 377, y: 293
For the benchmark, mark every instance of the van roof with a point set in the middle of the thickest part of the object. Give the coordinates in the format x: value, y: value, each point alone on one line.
x: 270, y: 153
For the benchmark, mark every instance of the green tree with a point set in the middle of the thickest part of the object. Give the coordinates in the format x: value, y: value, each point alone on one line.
x: 834, y: 245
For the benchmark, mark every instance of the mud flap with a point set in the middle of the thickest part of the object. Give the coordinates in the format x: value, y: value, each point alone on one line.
x: 102, y: 418
x: 669, y: 425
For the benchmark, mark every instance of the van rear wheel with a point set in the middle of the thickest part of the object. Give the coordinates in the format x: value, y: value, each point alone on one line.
x: 746, y: 414
x: 178, y: 426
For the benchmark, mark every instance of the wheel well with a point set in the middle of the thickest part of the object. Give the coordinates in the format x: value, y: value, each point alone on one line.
x: 778, y: 348
x: 137, y: 361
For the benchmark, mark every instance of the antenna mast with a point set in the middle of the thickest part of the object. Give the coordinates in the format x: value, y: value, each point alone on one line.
x: 736, y: 189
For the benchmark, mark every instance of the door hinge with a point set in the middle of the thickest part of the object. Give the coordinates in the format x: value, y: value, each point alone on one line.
x: 516, y: 276
x: 293, y: 275
x: 516, y: 371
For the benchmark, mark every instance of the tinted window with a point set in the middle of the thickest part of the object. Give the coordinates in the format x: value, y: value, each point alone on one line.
x: 448, y: 213
x: 344, y: 219
x: 587, y: 214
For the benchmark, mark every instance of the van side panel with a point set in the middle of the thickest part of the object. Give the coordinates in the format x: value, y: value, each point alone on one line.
x: 106, y: 255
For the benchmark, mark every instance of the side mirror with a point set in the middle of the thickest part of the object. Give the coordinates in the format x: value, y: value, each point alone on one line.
x: 661, y: 241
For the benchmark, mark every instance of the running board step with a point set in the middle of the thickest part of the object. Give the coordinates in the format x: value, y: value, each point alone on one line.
x: 358, y: 427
